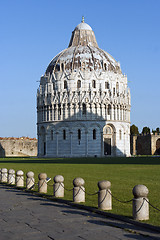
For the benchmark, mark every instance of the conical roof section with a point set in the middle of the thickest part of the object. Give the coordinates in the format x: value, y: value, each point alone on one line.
x: 83, y: 54
x: 83, y: 35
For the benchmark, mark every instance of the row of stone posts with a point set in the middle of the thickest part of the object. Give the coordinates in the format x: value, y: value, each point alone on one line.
x: 140, y: 201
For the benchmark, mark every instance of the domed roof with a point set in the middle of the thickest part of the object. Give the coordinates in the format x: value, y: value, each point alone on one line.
x: 83, y: 26
x: 83, y: 53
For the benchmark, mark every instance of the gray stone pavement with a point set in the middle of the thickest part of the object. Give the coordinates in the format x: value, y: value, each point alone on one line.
x: 27, y: 216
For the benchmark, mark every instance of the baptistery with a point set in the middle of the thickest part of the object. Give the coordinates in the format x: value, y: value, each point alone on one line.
x: 83, y: 102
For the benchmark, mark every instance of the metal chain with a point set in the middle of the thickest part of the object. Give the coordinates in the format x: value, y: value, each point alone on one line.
x: 118, y: 199
x: 10, y: 176
x: 42, y: 184
x: 50, y: 185
x: 20, y: 178
x: 151, y: 205
x: 69, y: 190
x: 33, y: 182
x: 90, y: 194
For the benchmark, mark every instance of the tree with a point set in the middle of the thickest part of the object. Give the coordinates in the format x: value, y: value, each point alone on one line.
x: 146, y: 130
x: 153, y: 131
x: 157, y: 130
x: 134, y: 130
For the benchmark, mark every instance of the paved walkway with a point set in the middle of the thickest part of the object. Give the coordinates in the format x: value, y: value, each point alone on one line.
x: 26, y: 216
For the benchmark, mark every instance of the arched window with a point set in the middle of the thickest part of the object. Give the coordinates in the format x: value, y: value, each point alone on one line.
x: 109, y: 110
x: 50, y: 112
x: 106, y: 85
x: 64, y: 111
x: 121, y: 112
x: 79, y: 84
x: 83, y: 65
x: 65, y: 84
x: 105, y: 66
x: 79, y: 134
x: 94, y: 134
x: 117, y: 87
x: 117, y: 112
x: 53, y: 86
x: 84, y: 109
x: 51, y: 135
x: 120, y: 134
x: 64, y: 134
x: 59, y: 111
x: 62, y: 67
x: 114, y: 91
x: 47, y: 113
x: 108, y: 130
x: 94, y: 84
x: 114, y: 109
x: 57, y: 67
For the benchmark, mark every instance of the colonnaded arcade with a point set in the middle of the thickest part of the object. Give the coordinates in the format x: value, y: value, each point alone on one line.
x: 83, y: 102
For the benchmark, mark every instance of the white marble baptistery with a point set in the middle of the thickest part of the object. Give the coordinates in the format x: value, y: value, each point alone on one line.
x: 83, y: 102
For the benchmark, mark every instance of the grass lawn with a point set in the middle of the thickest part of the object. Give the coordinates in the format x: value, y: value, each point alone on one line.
x: 123, y: 173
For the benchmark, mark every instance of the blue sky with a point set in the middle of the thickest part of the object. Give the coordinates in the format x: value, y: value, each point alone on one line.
x: 32, y: 32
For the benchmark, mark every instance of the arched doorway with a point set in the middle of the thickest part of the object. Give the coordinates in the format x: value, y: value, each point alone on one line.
x: 109, y: 140
x: 158, y: 146
x: 42, y: 141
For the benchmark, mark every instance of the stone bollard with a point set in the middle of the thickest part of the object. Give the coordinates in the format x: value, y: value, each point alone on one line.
x: 140, y: 205
x: 78, y: 190
x: 104, y: 196
x: 58, y: 186
x: 19, y: 178
x: 4, y: 175
x: 11, y: 176
x: 42, y: 183
x: 30, y: 181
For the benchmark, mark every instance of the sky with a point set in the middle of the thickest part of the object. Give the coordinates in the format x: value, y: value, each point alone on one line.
x: 32, y: 32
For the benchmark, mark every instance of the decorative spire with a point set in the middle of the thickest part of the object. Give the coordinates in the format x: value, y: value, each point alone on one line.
x: 82, y: 19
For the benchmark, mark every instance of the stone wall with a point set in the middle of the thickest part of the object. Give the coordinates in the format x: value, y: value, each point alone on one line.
x: 145, y: 144
x: 18, y: 147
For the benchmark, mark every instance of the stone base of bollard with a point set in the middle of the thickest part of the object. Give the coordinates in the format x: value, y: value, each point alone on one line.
x: 4, y: 175
x: 140, y: 209
x: 42, y: 186
x: 105, y: 200
x: 104, y: 195
x: 79, y: 194
x: 58, y: 186
x: 42, y: 183
x: 11, y: 176
x: 30, y: 181
x: 58, y: 189
x: 19, y: 178
x: 140, y: 205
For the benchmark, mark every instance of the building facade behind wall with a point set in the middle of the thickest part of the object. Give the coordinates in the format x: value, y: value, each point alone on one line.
x: 83, y: 102
x: 145, y: 144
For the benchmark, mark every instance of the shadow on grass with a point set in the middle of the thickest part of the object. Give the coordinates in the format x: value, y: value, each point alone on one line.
x: 151, y: 160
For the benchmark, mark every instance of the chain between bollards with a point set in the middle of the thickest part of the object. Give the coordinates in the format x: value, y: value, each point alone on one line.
x: 118, y: 199
x: 69, y: 190
x: 89, y: 194
x: 151, y: 205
